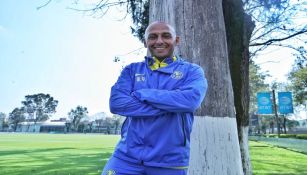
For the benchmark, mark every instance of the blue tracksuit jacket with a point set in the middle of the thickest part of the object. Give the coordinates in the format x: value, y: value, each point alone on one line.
x: 159, y: 106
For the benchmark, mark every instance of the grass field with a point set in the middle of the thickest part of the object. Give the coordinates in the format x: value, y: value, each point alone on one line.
x: 86, y: 154
x: 268, y: 159
x: 54, y: 154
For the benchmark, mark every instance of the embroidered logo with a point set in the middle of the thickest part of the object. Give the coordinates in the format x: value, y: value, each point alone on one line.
x: 140, y: 77
x: 111, y: 172
x: 177, y: 75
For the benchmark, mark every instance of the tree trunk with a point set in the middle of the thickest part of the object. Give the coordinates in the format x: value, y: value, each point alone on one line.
x: 285, y: 121
x: 239, y: 28
x: 200, y: 25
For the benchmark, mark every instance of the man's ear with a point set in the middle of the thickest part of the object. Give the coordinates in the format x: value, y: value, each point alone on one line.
x: 145, y: 44
x: 177, y: 40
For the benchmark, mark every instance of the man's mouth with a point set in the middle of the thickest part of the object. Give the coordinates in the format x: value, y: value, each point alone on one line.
x: 159, y: 48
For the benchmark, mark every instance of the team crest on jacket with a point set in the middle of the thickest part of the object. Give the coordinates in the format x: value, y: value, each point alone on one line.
x: 177, y: 75
x: 140, y: 77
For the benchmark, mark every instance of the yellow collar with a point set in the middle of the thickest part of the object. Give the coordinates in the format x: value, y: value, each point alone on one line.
x: 159, y: 64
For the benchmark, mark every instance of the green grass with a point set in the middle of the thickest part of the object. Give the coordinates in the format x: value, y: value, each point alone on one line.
x: 57, y: 154
x: 268, y: 159
x: 86, y: 154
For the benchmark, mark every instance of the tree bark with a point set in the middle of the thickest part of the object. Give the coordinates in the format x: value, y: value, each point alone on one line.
x: 200, y: 25
x: 239, y: 27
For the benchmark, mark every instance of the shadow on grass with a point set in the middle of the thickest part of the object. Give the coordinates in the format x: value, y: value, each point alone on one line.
x: 51, y: 162
x: 260, y: 146
x: 276, y: 168
x: 24, y: 152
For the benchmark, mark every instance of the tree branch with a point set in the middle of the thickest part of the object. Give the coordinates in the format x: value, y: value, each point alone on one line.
x: 279, y: 39
x: 44, y: 5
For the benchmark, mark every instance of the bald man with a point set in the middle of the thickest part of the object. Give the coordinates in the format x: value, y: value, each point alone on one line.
x: 158, y: 97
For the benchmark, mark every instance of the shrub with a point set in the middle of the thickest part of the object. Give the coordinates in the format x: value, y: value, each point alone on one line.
x: 287, y: 136
x: 301, y: 136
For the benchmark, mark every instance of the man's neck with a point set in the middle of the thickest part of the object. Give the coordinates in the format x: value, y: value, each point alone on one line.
x: 162, y: 59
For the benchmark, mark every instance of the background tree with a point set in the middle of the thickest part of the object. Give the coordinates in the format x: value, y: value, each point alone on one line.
x: 67, y: 126
x: 292, y: 124
x: 298, y: 79
x: 90, y: 126
x: 2, y: 120
x: 75, y: 116
x: 118, y: 121
x: 81, y: 127
x: 256, y: 84
x: 108, y: 123
x: 99, y: 124
x: 39, y: 107
x: 279, y: 23
x: 17, y: 116
x: 239, y: 28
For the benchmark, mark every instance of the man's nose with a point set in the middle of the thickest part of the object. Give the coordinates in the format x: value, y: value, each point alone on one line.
x: 159, y: 39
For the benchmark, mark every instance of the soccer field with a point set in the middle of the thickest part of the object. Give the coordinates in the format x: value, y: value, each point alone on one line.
x: 54, y: 154
x: 86, y: 154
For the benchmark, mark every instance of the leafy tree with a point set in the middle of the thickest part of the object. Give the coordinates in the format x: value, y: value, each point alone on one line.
x: 90, y: 126
x: 298, y: 79
x: 2, y: 120
x: 67, y: 126
x: 81, y: 127
x: 99, y: 124
x: 278, y: 23
x: 118, y: 120
x: 256, y: 84
x: 108, y: 123
x: 292, y: 124
x: 16, y: 116
x: 76, y: 115
x: 39, y: 107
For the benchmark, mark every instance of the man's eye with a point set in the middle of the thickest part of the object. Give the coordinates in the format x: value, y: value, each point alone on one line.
x: 167, y: 36
x: 151, y: 37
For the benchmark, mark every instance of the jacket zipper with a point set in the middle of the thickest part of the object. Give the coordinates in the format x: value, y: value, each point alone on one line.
x: 183, y: 130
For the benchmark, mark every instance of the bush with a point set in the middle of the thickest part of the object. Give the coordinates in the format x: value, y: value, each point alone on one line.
x: 294, y: 136
x: 287, y: 136
x: 301, y: 136
x: 271, y: 135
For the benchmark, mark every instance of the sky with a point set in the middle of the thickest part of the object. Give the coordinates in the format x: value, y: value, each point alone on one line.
x: 69, y: 54
x: 62, y: 52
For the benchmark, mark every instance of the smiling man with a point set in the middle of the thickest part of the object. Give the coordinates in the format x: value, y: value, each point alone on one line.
x: 158, y: 97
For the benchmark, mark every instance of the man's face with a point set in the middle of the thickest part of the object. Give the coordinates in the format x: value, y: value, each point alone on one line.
x: 160, y: 42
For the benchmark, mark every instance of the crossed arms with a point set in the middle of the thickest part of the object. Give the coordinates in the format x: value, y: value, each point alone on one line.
x: 153, y: 102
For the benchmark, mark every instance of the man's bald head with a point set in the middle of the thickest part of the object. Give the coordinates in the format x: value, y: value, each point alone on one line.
x: 161, y: 40
x: 171, y: 29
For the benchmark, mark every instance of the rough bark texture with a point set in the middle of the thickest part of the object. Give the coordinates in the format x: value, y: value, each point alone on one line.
x: 200, y: 25
x: 239, y: 28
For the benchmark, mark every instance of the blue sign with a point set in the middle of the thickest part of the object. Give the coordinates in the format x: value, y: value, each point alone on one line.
x: 285, y: 102
x: 264, y: 103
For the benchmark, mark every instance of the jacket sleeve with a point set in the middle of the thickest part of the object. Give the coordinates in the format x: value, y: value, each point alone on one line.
x: 186, y: 98
x: 123, y: 103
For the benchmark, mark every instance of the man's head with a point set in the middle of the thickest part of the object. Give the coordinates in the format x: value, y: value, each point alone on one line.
x: 161, y: 39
